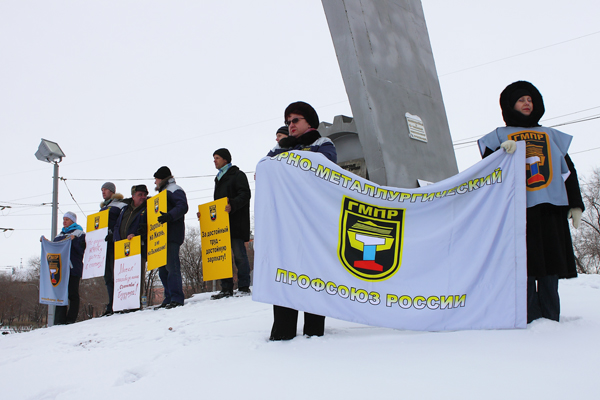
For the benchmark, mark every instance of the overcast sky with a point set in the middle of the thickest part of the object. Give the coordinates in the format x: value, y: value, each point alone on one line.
x: 127, y: 86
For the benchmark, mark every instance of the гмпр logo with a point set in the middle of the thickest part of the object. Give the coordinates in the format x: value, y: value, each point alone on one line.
x: 370, y: 241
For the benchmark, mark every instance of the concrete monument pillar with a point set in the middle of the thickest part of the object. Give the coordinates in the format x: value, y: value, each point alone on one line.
x: 387, y: 65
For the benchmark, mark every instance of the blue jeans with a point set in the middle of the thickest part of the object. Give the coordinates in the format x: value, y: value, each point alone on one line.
x: 241, y: 262
x: 170, y: 275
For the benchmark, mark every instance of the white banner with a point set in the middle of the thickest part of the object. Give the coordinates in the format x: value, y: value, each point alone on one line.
x: 128, y: 272
x: 448, y: 256
x: 94, y: 257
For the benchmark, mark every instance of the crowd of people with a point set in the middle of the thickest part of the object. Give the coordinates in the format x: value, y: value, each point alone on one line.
x: 551, y: 201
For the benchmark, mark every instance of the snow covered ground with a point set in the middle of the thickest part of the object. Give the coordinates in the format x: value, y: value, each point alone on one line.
x: 220, y: 349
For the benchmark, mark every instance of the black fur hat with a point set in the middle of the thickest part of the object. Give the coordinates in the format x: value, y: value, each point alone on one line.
x: 304, y: 109
x: 509, y: 97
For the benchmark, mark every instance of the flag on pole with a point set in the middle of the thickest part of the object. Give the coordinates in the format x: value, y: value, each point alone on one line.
x: 54, y: 272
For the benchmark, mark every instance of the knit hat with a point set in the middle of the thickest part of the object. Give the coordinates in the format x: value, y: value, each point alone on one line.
x: 71, y: 215
x: 162, y: 173
x: 110, y: 186
x: 304, y: 109
x: 139, y: 188
x: 284, y: 129
x: 509, y: 97
x: 224, y: 154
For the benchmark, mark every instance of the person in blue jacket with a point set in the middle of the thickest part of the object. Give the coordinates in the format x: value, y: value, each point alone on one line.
x: 74, y: 232
x: 302, y: 121
x: 177, y: 207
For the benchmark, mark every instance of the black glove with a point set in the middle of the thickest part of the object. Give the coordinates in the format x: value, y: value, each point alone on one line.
x: 109, y: 237
x: 164, y: 218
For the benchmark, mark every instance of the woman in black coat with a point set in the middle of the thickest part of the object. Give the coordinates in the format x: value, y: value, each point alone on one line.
x: 303, y: 122
x: 551, y: 199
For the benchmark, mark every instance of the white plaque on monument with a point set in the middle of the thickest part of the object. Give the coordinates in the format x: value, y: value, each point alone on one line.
x: 416, y: 129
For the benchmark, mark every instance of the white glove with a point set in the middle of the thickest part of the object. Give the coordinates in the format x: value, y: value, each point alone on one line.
x: 510, y: 146
x: 575, y: 213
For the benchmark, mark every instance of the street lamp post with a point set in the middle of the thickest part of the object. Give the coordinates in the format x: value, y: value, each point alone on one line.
x: 51, y: 152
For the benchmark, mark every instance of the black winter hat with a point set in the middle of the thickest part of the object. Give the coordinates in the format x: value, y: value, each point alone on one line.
x: 284, y: 129
x: 224, y: 154
x: 162, y: 173
x: 304, y: 109
x: 509, y: 97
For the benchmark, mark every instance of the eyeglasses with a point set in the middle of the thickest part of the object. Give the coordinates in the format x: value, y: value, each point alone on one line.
x: 294, y: 121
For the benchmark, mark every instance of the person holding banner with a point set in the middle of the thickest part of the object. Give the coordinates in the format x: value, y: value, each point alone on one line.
x: 553, y: 195
x: 112, y: 202
x: 302, y: 121
x: 302, y: 125
x: 75, y: 233
x: 232, y: 183
x: 132, y: 222
x: 177, y: 207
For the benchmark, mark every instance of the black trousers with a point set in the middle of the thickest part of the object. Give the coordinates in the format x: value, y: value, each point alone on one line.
x: 285, y: 323
x: 68, y: 315
x: 542, y: 298
x: 109, y: 279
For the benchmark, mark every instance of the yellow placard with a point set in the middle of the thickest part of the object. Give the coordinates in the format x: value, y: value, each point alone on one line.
x: 127, y: 248
x: 216, y: 240
x: 97, y: 221
x: 157, y: 232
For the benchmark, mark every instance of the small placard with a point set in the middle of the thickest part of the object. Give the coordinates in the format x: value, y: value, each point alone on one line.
x: 416, y: 129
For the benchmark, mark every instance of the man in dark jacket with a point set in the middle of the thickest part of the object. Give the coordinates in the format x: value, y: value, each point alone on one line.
x: 113, y: 202
x: 232, y: 183
x: 132, y: 222
x: 177, y: 207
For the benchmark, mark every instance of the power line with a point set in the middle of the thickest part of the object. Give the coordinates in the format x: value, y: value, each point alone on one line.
x: 468, y: 143
x: 31, y: 197
x: 145, y: 179
x: 519, y: 54
x: 73, y: 197
x: 584, y: 151
x: 577, y: 121
x: 564, y: 115
x: 15, y: 205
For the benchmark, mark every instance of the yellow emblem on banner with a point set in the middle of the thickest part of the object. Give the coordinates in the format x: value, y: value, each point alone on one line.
x: 97, y: 221
x: 216, y: 240
x: 55, y: 268
x: 370, y: 239
x: 127, y: 248
x: 157, y: 232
